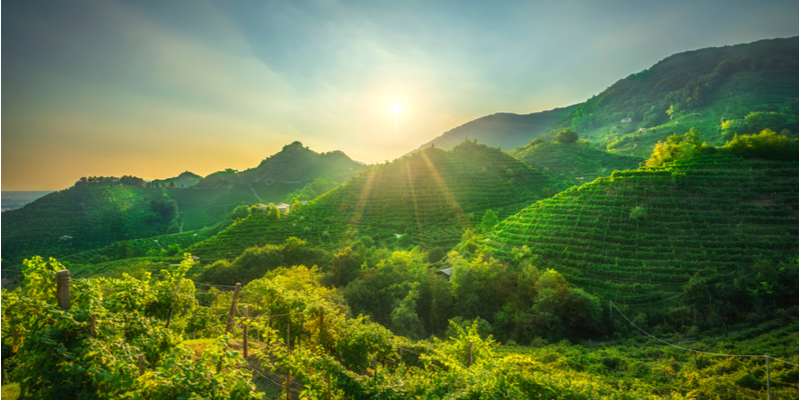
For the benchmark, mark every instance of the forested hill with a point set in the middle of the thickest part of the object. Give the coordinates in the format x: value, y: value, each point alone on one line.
x: 577, y: 162
x: 184, y: 180
x: 694, y: 89
x: 705, y: 230
x: 431, y: 196
x: 504, y: 130
x: 700, y: 88
x: 89, y: 215
x: 99, y: 211
x: 294, y: 163
x: 272, y: 181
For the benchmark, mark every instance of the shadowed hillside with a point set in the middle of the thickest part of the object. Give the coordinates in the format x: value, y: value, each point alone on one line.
x: 577, y: 162
x: 504, y: 130
x: 272, y: 181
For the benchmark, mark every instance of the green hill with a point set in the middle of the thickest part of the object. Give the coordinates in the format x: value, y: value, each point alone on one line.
x: 86, y: 216
x: 184, y: 180
x: 700, y: 88
x: 430, y: 197
x: 641, y: 236
x: 577, y: 162
x: 506, y: 130
x: 272, y: 181
x: 693, y: 89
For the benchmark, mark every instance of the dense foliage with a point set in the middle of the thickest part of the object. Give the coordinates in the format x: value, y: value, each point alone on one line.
x: 303, y: 342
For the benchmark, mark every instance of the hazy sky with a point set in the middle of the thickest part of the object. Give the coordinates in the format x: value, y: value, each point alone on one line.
x: 154, y: 88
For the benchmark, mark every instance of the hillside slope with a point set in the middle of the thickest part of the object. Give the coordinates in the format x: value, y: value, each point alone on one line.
x: 692, y: 89
x: 432, y: 196
x: 209, y: 201
x: 504, y: 130
x: 184, y: 180
x: 639, y: 236
x: 699, y: 88
x: 577, y: 162
x: 92, y: 214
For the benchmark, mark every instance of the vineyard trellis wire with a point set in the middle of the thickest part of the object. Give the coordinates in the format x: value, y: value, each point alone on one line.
x: 693, y: 350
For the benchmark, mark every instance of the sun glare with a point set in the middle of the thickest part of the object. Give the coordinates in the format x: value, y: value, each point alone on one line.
x: 396, y: 108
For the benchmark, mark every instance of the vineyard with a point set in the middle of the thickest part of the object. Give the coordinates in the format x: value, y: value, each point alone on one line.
x: 85, y: 216
x: 286, y: 336
x: 576, y: 162
x: 638, y: 236
x: 432, y: 196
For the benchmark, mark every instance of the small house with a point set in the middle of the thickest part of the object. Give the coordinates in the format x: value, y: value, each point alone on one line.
x: 447, y: 273
x: 65, y: 238
x: 283, y: 207
x: 626, y: 120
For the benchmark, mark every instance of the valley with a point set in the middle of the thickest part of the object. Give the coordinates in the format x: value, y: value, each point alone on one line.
x: 640, y: 245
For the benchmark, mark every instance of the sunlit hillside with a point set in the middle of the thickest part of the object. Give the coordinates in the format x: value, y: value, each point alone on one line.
x: 430, y: 198
x: 646, y: 236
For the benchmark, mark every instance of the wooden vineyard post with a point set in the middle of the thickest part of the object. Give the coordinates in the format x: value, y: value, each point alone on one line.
x: 769, y: 393
x: 288, y: 381
x: 93, y: 324
x: 62, y: 289
x: 246, y: 320
x: 141, y: 364
x: 172, y: 306
x: 216, y: 320
x: 236, y: 289
x: 328, y: 382
x: 288, y: 347
x: 469, y: 360
x: 321, y: 327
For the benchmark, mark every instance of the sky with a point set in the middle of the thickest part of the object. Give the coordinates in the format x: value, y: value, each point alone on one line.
x: 153, y: 88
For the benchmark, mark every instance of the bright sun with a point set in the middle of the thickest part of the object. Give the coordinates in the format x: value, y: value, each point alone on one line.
x: 396, y: 108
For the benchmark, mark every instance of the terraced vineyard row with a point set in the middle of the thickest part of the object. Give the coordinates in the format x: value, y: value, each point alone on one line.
x: 639, y: 235
x: 433, y: 196
x: 91, y: 215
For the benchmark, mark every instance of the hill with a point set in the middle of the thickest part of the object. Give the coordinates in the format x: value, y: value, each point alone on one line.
x: 184, y: 180
x: 429, y: 197
x: 86, y: 216
x: 504, y: 130
x: 577, y: 162
x: 649, y: 235
x: 283, y: 173
x: 698, y: 89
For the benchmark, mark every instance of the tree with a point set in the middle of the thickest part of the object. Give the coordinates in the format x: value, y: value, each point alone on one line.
x: 766, y: 144
x: 489, y: 221
x: 678, y: 147
x: 536, y: 141
x: 566, y: 136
